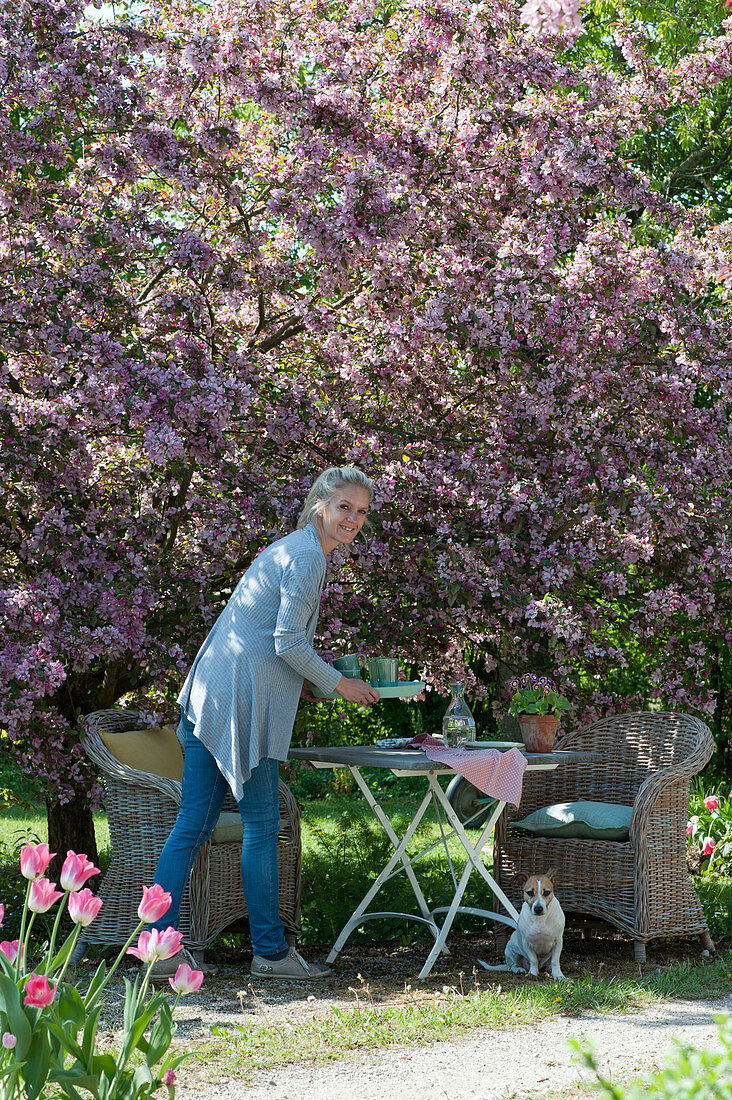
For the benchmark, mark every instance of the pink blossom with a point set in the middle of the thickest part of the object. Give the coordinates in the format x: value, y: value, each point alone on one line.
x: 39, y: 991
x: 186, y: 979
x: 83, y: 907
x: 155, y: 903
x: 2, y: 914
x: 553, y: 16
x: 34, y: 859
x: 76, y: 870
x: 708, y: 846
x: 9, y: 1040
x: 711, y: 802
x: 157, y: 945
x: 9, y: 949
x: 169, y: 1078
x: 42, y: 895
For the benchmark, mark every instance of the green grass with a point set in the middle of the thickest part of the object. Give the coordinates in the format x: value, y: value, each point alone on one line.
x: 344, y: 848
x: 244, y: 1050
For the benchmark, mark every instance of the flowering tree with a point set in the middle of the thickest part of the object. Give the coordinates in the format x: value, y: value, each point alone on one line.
x: 239, y: 244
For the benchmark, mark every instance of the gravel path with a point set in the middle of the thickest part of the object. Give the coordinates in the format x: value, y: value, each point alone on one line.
x: 529, y: 1061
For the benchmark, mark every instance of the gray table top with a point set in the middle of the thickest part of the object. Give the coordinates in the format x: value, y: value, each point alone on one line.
x: 414, y: 760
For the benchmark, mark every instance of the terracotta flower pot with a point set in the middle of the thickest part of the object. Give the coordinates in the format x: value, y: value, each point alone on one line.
x: 538, y: 731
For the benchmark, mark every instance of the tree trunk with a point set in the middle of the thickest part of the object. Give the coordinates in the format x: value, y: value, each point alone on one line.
x: 71, y: 826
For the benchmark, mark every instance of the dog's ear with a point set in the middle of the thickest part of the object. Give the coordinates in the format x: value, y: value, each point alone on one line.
x: 551, y: 873
x: 520, y: 878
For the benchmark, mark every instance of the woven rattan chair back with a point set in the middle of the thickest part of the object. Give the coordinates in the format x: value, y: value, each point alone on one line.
x: 641, y: 886
x: 141, y: 810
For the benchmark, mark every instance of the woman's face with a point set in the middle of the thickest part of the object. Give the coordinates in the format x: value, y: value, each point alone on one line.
x: 343, y: 516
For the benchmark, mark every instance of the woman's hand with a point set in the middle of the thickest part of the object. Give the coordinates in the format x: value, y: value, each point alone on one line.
x: 306, y: 692
x: 357, y: 691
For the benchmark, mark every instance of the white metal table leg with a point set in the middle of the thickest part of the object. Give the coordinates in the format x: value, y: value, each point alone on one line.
x: 474, y: 861
x: 399, y: 856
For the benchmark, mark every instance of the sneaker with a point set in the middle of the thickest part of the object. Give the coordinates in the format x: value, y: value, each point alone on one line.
x: 292, y: 968
x: 167, y: 968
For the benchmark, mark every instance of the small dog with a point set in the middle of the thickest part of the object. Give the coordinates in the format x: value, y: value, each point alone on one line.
x: 539, y: 935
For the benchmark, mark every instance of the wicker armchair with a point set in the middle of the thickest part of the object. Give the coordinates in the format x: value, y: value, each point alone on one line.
x: 141, y: 809
x: 641, y: 886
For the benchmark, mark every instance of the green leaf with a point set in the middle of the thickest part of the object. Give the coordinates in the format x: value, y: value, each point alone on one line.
x: 142, y: 1077
x: 70, y: 1007
x: 96, y: 985
x: 37, y: 1065
x: 161, y: 1035
x: 103, y: 1065
x: 18, y: 1022
x: 73, y: 1078
x: 90, y: 1033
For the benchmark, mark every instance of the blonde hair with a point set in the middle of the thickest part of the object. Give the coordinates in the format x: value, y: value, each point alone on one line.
x: 324, y: 488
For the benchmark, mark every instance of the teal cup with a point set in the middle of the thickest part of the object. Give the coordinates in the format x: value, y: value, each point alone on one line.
x: 384, y: 671
x: 351, y: 663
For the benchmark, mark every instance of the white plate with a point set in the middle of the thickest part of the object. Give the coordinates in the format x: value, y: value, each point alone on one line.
x: 494, y: 745
x: 392, y: 742
x: 406, y: 689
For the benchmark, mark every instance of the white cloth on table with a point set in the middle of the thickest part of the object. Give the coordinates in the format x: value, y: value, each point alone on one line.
x: 242, y: 691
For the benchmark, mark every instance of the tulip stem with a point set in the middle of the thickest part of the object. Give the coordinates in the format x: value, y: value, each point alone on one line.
x: 117, y: 961
x: 54, y: 933
x: 71, y: 945
x: 21, y: 936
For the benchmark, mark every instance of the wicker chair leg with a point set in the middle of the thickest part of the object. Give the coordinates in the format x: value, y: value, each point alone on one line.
x: 79, y: 951
x: 639, y: 951
x: 502, y: 939
x: 707, y: 942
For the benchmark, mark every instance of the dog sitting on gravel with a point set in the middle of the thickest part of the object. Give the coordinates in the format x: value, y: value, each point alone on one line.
x: 537, y: 941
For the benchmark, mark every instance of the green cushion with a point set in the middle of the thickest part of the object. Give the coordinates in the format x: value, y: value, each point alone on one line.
x: 589, y: 820
x: 228, y: 829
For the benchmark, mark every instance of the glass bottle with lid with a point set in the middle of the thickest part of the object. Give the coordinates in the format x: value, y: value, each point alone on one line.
x: 458, y: 725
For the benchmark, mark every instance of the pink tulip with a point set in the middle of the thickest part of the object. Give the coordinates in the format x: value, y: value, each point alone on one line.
x: 186, y: 980
x: 155, y: 903
x: 169, y: 1078
x: 9, y: 1040
x: 2, y: 914
x: 708, y: 846
x: 689, y: 828
x: 711, y: 802
x: 157, y: 945
x: 76, y: 870
x: 43, y: 894
x: 9, y: 949
x: 83, y: 907
x: 39, y: 991
x: 34, y: 859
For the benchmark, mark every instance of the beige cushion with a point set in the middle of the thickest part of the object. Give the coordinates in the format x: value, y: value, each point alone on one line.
x: 156, y: 751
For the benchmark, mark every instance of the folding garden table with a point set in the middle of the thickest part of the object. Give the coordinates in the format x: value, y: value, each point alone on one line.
x: 413, y: 762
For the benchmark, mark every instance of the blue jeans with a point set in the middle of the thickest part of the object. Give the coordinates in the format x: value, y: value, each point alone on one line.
x: 204, y: 790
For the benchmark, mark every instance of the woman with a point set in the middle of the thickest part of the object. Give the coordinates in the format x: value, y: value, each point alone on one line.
x: 238, y: 708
